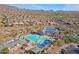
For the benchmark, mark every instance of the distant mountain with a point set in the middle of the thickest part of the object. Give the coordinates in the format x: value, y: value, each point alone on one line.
x: 6, y: 7
x: 12, y: 12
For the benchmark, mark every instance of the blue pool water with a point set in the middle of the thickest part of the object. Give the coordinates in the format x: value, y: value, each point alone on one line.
x: 46, y: 42
x: 33, y: 38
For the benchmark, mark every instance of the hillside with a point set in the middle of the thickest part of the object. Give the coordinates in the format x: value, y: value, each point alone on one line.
x: 13, y: 19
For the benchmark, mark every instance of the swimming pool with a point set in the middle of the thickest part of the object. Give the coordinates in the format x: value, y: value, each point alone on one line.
x: 43, y: 38
x: 45, y: 43
x: 35, y: 38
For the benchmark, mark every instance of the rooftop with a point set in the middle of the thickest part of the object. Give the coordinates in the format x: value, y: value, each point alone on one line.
x: 50, y: 29
x: 71, y: 51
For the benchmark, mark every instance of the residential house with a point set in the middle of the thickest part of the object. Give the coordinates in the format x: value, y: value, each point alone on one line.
x: 71, y: 49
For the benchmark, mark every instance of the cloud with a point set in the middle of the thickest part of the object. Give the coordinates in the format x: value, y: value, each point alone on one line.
x: 71, y: 7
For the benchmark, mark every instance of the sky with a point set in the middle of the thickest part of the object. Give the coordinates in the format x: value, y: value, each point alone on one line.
x: 55, y: 7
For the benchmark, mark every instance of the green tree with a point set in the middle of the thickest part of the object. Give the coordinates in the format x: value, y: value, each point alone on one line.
x: 77, y: 41
x: 5, y: 51
x: 70, y: 38
x: 74, y: 39
x: 69, y: 31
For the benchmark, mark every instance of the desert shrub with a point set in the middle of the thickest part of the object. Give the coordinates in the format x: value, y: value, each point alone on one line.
x: 60, y: 42
x: 5, y: 51
x: 68, y: 31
